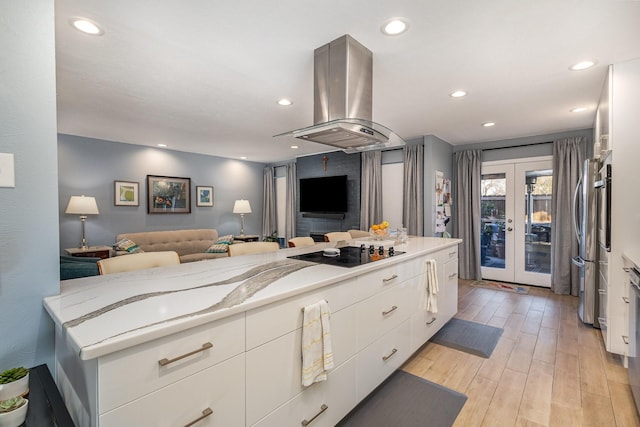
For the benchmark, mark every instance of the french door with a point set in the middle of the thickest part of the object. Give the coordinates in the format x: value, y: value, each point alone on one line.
x: 515, y: 240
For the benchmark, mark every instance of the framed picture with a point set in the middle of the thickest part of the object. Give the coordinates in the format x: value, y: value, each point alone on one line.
x: 126, y: 193
x: 204, y: 196
x: 168, y: 194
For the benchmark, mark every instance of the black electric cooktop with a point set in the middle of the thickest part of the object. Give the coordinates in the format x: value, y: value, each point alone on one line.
x: 350, y: 256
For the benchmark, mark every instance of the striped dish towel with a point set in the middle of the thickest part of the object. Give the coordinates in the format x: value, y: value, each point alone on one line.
x: 317, y: 355
x: 429, y: 287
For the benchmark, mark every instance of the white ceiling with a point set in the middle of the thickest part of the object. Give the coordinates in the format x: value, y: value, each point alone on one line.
x: 204, y: 76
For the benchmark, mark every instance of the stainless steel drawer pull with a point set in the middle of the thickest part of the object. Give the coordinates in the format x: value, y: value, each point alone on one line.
x: 431, y: 321
x: 625, y: 299
x: 394, y: 351
x: 452, y: 253
x: 165, y: 361
x: 395, y: 276
x: 452, y: 275
x: 625, y: 339
x: 392, y: 309
x: 205, y: 413
x: 322, y: 409
x: 602, y: 291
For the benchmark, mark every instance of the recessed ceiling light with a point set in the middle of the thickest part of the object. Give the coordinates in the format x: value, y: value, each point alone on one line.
x: 458, y: 94
x: 243, y: 157
x: 295, y: 146
x: 87, y: 26
x: 284, y: 102
x: 578, y: 109
x: 162, y: 145
x: 583, y: 65
x: 394, y: 26
x: 488, y: 124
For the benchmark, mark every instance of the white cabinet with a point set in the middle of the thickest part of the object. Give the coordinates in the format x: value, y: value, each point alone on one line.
x: 621, y: 107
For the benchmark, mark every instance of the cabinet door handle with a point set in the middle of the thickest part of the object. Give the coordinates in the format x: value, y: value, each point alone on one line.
x: 165, y: 361
x: 395, y: 276
x: 625, y: 299
x: 452, y: 253
x: 625, y: 339
x: 322, y: 409
x: 392, y: 309
x: 433, y: 319
x: 387, y: 357
x: 452, y: 275
x: 205, y: 413
x: 602, y: 291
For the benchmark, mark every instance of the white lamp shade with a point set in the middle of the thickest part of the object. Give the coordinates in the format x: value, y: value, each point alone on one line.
x: 242, y: 207
x: 81, y: 205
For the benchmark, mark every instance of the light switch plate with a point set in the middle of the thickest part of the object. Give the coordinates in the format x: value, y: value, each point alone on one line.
x: 7, y: 171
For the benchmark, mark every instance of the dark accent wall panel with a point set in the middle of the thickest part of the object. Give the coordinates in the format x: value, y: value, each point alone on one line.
x: 337, y: 163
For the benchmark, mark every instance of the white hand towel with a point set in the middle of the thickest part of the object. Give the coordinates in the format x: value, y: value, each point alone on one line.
x: 317, y: 354
x: 429, y: 287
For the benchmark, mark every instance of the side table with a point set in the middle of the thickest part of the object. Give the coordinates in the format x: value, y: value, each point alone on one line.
x: 247, y: 238
x: 91, y: 252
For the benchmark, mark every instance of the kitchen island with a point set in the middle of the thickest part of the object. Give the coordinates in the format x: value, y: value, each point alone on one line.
x: 219, y: 341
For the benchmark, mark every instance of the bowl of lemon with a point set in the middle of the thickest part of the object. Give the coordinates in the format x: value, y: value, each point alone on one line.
x: 380, y: 231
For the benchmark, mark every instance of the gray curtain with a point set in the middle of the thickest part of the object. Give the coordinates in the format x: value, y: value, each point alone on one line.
x: 371, y: 189
x: 269, y: 219
x: 468, y: 166
x: 413, y: 186
x: 290, y: 213
x: 568, y: 157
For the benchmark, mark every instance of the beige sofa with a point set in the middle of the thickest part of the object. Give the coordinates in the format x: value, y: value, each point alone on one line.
x: 189, y: 244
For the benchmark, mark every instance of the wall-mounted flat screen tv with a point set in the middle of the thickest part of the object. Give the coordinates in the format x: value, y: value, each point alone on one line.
x: 325, y: 194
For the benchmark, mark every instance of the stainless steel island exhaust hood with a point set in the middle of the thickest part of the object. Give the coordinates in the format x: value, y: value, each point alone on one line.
x: 342, y: 90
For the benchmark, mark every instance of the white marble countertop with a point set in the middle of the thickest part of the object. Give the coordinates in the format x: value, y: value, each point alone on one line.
x: 102, y: 314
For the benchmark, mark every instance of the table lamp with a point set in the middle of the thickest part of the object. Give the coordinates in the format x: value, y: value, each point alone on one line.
x: 242, y: 207
x: 83, y: 206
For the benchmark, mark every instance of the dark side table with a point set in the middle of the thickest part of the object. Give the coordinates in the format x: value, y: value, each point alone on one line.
x: 46, y: 407
x: 90, y: 252
x: 247, y: 238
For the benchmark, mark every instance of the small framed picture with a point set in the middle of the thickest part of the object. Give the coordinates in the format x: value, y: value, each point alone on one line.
x: 168, y: 194
x: 126, y: 193
x: 204, y: 196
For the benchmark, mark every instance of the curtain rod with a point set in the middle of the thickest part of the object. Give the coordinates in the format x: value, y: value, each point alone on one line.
x: 517, y: 146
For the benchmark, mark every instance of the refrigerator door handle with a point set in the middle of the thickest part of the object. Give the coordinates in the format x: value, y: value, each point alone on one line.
x: 577, y: 261
x: 575, y: 209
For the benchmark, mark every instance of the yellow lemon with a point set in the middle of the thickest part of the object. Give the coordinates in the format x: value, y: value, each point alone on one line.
x: 385, y: 224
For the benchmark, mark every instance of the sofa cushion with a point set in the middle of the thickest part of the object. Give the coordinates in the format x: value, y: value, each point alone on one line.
x: 184, y: 242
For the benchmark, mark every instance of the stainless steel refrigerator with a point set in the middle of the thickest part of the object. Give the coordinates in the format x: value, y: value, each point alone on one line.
x: 585, y: 214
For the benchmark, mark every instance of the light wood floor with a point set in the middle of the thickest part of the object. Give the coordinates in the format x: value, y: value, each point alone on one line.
x: 548, y: 369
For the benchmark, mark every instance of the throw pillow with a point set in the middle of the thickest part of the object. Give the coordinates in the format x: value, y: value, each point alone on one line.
x: 127, y: 245
x: 225, y: 240
x: 217, y: 248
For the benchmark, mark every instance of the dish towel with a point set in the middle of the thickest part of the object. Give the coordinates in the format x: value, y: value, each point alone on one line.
x: 429, y: 287
x: 317, y: 355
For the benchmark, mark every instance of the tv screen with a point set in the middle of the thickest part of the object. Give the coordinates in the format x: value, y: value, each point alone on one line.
x: 325, y: 194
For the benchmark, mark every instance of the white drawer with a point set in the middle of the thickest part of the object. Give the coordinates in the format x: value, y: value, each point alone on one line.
x: 274, y: 369
x: 384, y: 311
x: 380, y: 359
x: 134, y: 372
x: 377, y: 281
x: 448, y: 295
x: 219, y: 388
x: 274, y: 320
x: 445, y: 255
x: 338, y: 394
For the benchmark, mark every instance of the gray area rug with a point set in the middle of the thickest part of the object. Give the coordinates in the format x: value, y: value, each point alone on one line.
x: 405, y: 400
x: 470, y: 337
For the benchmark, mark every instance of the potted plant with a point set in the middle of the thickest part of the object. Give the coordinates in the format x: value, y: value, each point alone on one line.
x: 14, y: 382
x: 13, y: 411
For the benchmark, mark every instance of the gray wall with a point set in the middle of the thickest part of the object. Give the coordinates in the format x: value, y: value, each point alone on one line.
x: 517, y: 148
x: 29, y: 212
x: 90, y: 167
x: 338, y: 163
x: 437, y: 157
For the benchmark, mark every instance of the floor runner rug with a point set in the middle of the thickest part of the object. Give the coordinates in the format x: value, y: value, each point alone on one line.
x: 470, y: 337
x: 405, y: 400
x: 500, y: 286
